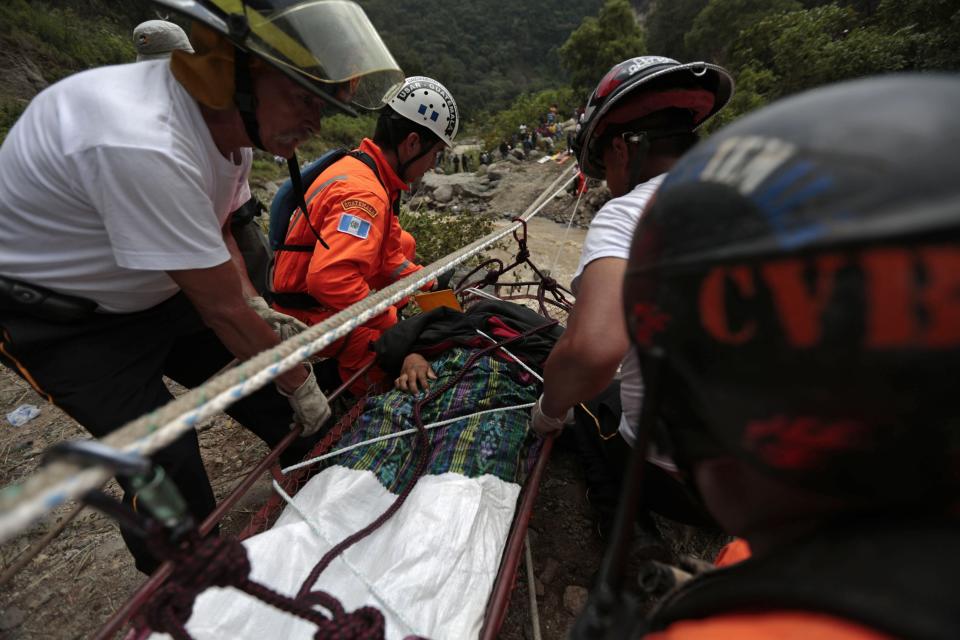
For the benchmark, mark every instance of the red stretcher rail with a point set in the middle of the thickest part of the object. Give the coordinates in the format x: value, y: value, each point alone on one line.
x: 500, y: 596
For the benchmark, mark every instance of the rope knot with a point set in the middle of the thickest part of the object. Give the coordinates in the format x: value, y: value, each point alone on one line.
x: 211, y: 562
x: 366, y: 623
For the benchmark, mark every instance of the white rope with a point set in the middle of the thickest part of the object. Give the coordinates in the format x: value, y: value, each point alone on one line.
x: 532, y: 589
x: 372, y: 588
x: 515, y: 358
x: 566, y: 232
x: 481, y: 294
x: 405, y: 432
x: 22, y: 504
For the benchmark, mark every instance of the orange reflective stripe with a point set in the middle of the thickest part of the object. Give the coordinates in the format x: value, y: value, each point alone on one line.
x: 736, y: 551
x: 773, y: 625
x: 22, y: 369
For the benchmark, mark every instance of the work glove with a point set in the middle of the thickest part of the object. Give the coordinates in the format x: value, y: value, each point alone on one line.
x: 443, y: 280
x: 310, y: 406
x: 544, y: 424
x: 285, y: 326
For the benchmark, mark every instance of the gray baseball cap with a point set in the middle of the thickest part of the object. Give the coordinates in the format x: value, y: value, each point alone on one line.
x: 155, y: 39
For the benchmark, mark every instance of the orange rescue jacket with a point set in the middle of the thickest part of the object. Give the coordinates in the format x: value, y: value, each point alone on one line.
x: 356, y: 216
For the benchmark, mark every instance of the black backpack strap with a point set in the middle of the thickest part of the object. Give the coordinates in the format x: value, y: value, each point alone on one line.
x: 900, y: 579
x: 304, y: 300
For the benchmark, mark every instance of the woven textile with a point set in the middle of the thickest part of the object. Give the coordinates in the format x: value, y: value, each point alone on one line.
x: 493, y: 443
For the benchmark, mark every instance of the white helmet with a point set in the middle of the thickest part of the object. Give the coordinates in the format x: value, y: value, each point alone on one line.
x: 428, y: 103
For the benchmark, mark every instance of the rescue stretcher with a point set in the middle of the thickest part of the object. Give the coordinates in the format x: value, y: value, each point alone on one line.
x: 481, y: 283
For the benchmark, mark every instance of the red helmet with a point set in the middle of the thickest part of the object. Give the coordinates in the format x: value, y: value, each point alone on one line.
x: 640, y: 86
x: 797, y: 281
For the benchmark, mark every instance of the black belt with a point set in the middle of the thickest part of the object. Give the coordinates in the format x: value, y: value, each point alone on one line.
x: 298, y: 301
x: 40, y: 302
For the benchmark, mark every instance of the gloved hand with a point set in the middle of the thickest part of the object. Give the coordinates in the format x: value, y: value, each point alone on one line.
x: 283, y: 324
x: 443, y: 280
x: 544, y: 424
x: 310, y: 407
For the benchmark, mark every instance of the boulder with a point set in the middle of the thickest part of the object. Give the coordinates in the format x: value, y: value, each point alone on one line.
x: 575, y: 599
x: 475, y: 191
x: 419, y: 202
x: 443, y: 193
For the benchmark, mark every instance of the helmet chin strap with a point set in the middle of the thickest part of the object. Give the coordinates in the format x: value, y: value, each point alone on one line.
x: 403, y: 166
x: 642, y: 142
x: 425, y: 149
x: 244, y: 96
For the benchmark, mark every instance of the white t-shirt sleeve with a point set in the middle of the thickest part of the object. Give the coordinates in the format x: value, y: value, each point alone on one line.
x: 155, y: 209
x: 611, y: 230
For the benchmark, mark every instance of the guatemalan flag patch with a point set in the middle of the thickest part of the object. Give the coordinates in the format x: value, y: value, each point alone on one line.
x: 354, y: 226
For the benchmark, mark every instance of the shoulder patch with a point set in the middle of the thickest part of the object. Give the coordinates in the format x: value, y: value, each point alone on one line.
x: 354, y: 203
x: 354, y: 226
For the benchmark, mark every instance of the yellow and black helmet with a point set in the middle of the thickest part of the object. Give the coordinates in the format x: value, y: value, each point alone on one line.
x: 328, y: 46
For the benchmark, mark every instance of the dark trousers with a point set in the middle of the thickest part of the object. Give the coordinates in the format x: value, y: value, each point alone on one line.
x: 107, y: 371
x: 605, y: 456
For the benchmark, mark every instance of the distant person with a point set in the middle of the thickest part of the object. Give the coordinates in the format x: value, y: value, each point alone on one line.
x: 504, y: 149
x: 456, y: 164
x: 465, y: 163
x: 156, y: 39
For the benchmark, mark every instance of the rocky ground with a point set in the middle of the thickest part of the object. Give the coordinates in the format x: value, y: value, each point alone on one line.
x: 85, y: 573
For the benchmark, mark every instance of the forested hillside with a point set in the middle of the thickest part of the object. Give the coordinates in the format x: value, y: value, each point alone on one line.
x: 505, y: 61
x: 485, y: 51
x: 778, y: 47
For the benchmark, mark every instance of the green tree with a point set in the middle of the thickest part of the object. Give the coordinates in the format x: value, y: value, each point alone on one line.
x: 717, y: 26
x: 754, y: 88
x: 600, y: 42
x: 805, y: 49
x: 932, y: 28
x: 667, y: 25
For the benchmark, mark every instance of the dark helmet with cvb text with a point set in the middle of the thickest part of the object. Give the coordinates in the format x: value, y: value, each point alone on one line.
x: 797, y: 283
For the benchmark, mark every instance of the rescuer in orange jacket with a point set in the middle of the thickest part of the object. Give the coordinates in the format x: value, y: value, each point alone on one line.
x: 354, y: 205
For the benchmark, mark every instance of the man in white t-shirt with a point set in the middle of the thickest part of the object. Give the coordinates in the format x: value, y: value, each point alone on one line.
x: 116, y: 190
x: 639, y: 120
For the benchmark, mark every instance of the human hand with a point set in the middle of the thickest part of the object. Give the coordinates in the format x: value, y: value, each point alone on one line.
x: 414, y: 371
x: 286, y: 326
x: 310, y: 406
x: 544, y: 424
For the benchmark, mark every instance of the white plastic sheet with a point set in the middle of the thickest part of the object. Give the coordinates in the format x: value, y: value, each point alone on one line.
x: 429, y: 568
